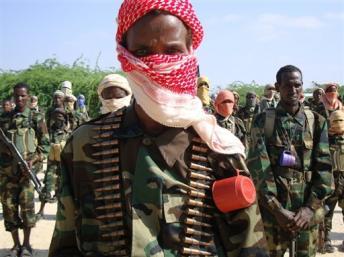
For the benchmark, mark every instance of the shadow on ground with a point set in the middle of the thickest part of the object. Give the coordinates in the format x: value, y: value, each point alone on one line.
x: 36, y: 253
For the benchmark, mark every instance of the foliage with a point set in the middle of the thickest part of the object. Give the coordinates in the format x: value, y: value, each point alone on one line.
x: 44, y: 78
x: 243, y: 88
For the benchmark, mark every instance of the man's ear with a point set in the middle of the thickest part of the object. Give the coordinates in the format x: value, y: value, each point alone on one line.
x: 277, y: 87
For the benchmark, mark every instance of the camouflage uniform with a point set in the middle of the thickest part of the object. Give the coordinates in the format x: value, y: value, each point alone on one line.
x: 29, y: 133
x: 58, y: 138
x: 337, y: 154
x: 246, y: 114
x: 75, y: 118
x: 234, y: 125
x: 307, y: 183
x: 130, y: 199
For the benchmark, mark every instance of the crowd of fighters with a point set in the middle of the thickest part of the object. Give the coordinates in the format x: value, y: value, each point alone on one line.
x: 167, y: 170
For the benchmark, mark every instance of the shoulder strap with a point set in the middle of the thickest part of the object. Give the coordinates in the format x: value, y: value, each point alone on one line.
x: 310, y: 119
x: 270, y: 116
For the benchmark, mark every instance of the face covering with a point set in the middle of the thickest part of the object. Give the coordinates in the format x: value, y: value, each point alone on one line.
x: 164, y: 86
x: 203, y: 94
x: 224, y: 109
x: 112, y: 105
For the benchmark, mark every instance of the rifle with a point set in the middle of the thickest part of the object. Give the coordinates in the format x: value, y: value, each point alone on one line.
x: 20, y: 161
x: 292, y: 247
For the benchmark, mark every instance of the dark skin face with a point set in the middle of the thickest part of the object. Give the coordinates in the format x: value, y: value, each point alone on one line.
x: 160, y: 34
x: 6, y: 106
x: 21, y: 97
x: 58, y: 100
x: 316, y: 96
x: 290, y: 89
x: 113, y: 93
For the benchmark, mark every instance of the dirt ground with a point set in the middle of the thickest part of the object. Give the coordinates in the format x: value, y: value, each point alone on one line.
x: 41, y: 234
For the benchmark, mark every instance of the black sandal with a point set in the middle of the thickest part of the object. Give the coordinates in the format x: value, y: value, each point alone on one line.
x: 14, y: 252
x: 26, y: 252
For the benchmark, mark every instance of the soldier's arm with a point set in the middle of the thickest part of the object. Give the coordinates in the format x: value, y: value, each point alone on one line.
x: 42, y: 135
x: 258, y: 163
x: 63, y: 242
x: 322, y: 176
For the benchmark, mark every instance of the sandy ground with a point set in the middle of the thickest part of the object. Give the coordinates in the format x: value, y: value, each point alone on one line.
x: 41, y: 234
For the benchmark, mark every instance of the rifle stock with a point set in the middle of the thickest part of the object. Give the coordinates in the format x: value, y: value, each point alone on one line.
x: 18, y: 158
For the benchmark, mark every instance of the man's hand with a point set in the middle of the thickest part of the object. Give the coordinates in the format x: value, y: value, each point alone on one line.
x: 302, y: 219
x: 284, y: 217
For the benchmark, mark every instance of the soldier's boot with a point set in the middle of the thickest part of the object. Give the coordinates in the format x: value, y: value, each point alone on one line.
x: 328, y: 247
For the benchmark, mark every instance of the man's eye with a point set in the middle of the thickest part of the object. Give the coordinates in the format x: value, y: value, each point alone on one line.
x: 141, y: 52
x: 173, y: 51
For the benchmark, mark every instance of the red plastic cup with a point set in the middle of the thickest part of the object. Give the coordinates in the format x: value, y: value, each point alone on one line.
x: 233, y: 193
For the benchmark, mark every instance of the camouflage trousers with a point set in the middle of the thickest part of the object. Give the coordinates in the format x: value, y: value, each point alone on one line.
x: 337, y: 196
x: 17, y: 198
x: 52, y: 177
x: 279, y: 241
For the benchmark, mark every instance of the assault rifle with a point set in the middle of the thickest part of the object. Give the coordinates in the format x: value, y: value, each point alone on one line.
x: 292, y: 247
x: 20, y: 161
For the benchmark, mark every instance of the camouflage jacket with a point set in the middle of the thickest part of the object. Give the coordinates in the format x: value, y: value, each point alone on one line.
x: 5, y: 119
x: 337, y: 153
x: 234, y: 125
x: 27, y: 146
x: 132, y: 202
x: 308, y: 181
x: 247, y: 114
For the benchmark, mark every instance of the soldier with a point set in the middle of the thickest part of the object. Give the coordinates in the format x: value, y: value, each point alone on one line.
x: 315, y: 103
x: 236, y: 107
x: 268, y: 100
x: 75, y: 118
x: 58, y: 100
x: 34, y: 103
x: 290, y: 163
x: 81, y: 107
x: 59, y: 133
x: 203, y: 87
x: 247, y: 112
x: 28, y: 132
x: 224, y: 104
x: 114, y: 93
x: 136, y: 182
x: 336, y: 134
x: 5, y: 116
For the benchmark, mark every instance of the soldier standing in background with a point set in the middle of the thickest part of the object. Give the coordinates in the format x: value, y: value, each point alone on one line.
x: 315, y: 103
x: 59, y: 133
x: 114, y: 93
x: 336, y: 135
x: 58, y: 100
x: 268, y: 100
x: 247, y: 112
x: 81, y: 107
x: 224, y: 104
x: 28, y: 131
x: 203, y: 88
x: 290, y: 162
x: 136, y: 182
x: 5, y: 116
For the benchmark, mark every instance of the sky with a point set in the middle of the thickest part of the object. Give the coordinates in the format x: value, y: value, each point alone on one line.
x: 245, y: 40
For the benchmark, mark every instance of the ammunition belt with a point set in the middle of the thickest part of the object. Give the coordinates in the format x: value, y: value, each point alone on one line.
x: 198, y: 235
x: 110, y: 211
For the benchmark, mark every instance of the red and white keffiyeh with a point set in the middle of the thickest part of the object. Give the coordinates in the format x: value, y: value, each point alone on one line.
x: 165, y: 85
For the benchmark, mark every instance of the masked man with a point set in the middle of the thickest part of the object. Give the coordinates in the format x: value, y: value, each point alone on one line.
x: 81, y: 107
x: 224, y: 104
x: 203, y: 87
x: 268, y: 100
x: 114, y: 93
x: 137, y: 182
x: 247, y: 112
